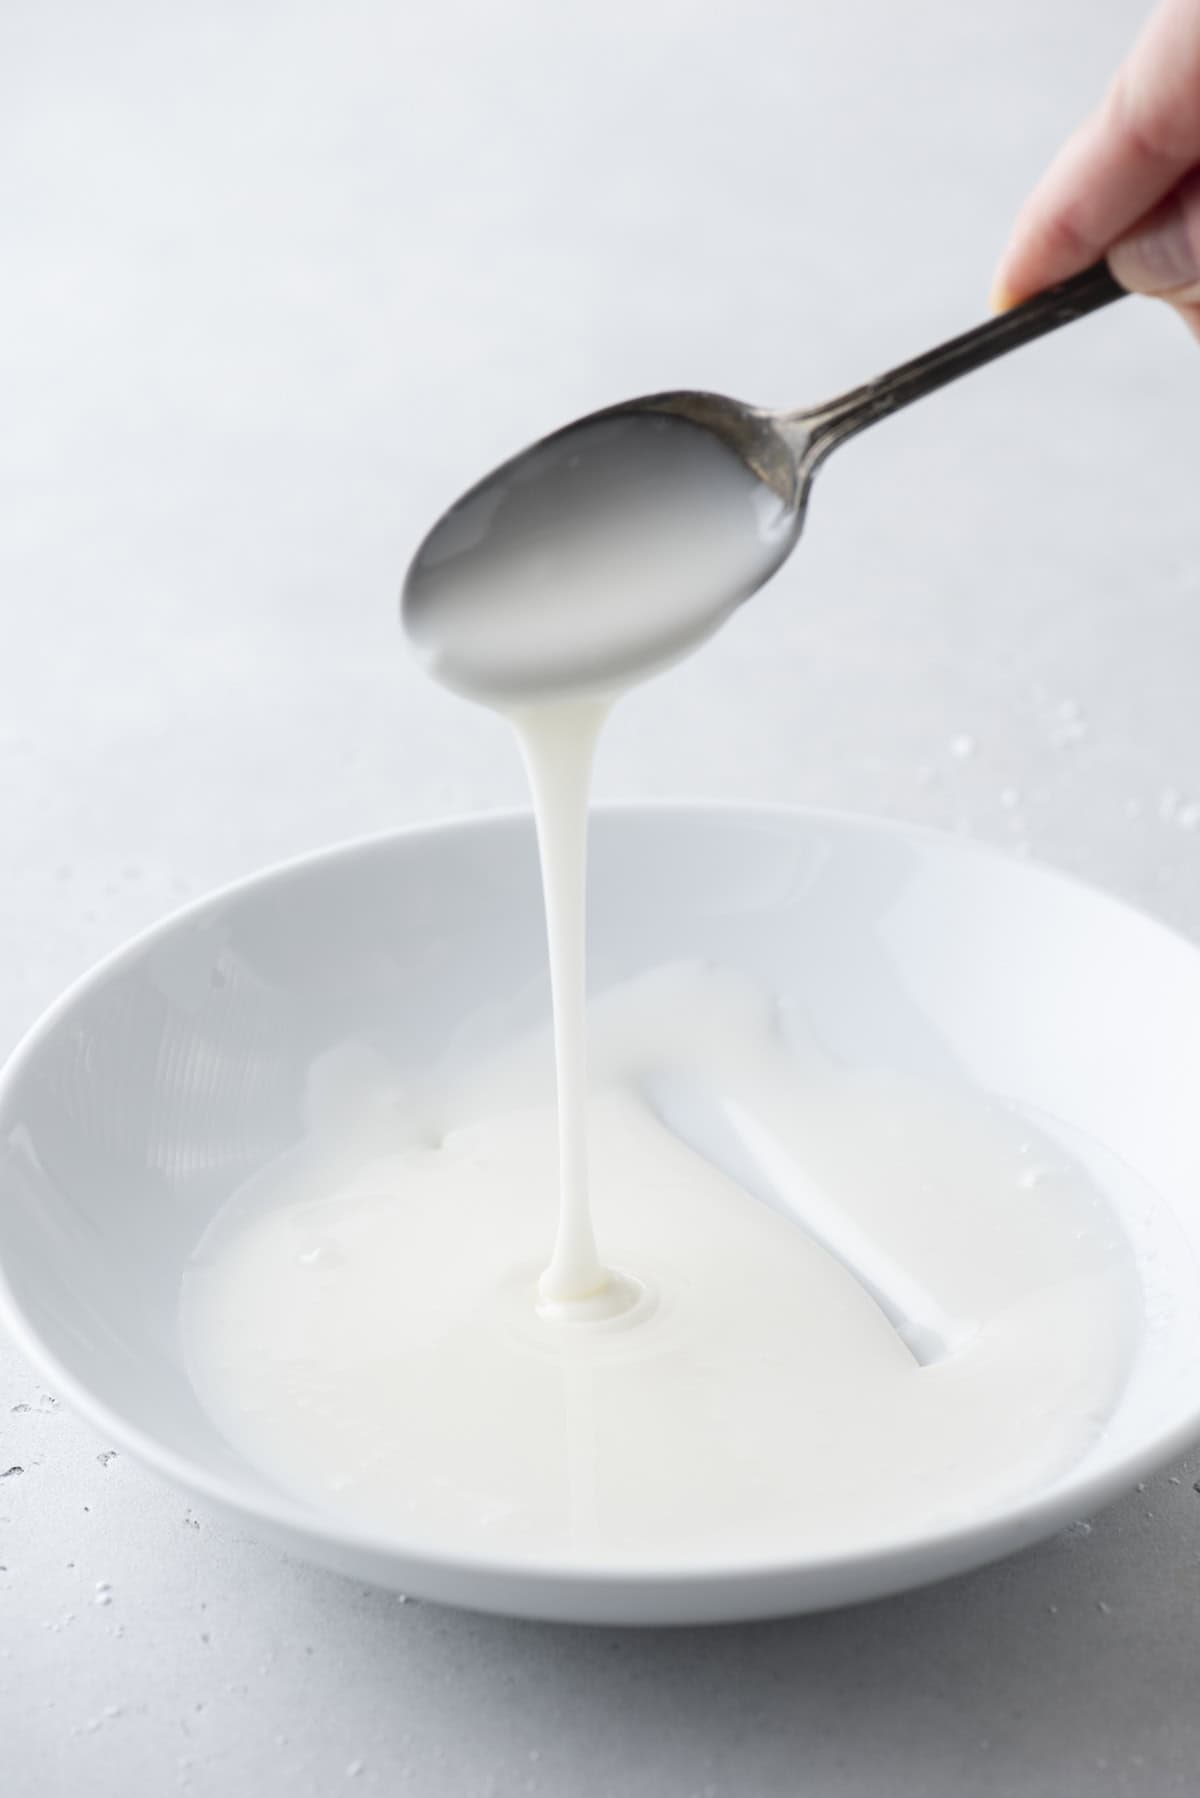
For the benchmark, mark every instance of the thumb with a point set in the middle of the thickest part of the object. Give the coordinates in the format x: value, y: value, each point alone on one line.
x: 1161, y: 254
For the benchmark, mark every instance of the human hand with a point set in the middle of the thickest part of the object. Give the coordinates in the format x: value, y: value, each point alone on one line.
x: 1127, y: 185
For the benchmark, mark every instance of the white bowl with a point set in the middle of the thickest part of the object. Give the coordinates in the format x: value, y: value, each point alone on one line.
x: 174, y: 1072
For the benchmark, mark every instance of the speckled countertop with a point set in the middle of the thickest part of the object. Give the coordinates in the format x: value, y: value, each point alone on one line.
x: 278, y: 281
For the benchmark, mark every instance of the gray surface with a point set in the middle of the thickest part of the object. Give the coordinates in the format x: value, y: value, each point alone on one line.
x: 278, y: 282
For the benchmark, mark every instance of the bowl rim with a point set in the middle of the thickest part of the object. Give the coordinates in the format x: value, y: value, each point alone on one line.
x: 969, y: 1543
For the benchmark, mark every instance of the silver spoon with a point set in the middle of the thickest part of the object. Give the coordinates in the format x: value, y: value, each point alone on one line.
x: 610, y: 548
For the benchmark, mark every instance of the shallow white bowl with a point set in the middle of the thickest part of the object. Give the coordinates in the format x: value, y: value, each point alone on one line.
x: 178, y: 1069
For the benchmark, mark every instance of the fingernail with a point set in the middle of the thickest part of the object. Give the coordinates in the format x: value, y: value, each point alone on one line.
x: 1163, y: 256
x: 1001, y: 298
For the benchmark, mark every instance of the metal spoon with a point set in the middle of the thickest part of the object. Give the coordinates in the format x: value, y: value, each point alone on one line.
x: 615, y: 545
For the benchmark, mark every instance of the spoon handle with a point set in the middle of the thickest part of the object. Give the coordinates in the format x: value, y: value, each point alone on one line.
x: 830, y: 424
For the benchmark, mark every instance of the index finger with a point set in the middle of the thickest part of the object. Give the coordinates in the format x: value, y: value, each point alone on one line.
x: 1129, y: 154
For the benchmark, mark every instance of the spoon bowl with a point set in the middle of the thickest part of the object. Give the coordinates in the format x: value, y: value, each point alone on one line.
x: 606, y: 550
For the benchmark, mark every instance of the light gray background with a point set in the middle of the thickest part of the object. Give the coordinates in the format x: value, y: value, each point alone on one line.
x: 278, y: 280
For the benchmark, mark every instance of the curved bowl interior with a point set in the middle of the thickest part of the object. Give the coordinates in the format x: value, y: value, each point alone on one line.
x: 190, y: 1061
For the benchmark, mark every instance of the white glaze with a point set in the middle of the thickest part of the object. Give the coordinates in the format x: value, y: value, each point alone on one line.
x: 558, y: 743
x: 364, y: 1323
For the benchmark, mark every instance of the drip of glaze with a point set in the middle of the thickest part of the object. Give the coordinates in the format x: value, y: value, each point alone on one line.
x: 558, y: 743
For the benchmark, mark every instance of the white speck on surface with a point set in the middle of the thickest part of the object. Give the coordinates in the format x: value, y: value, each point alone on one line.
x: 1032, y: 1176
x: 1010, y: 799
x: 354, y: 1768
x: 1104, y: 1609
x: 962, y: 747
x: 1069, y: 725
x: 1188, y: 816
x: 1168, y: 804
